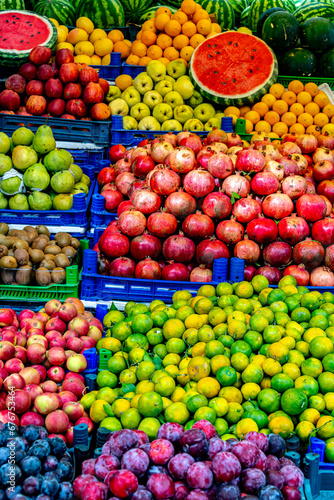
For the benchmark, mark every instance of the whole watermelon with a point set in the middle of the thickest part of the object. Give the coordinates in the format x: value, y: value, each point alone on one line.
x: 12, y: 5
x: 103, y: 13
x: 133, y: 9
x: 60, y: 10
x: 223, y: 11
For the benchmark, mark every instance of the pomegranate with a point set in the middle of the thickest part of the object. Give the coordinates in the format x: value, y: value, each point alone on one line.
x: 160, y: 150
x: 192, y: 142
x: 124, y: 181
x: 204, y: 156
x: 137, y: 184
x: 175, y: 272
x: 293, y: 229
x: 290, y: 148
x: 260, y: 136
x: 180, y: 204
x: 247, y: 250
x: 325, y: 141
x: 264, y: 183
x: 198, y: 182
x: 310, y: 188
x: 230, y: 231
x: 102, y: 264
x: 201, y: 274
x: 190, y: 266
x: 269, y: 152
x: 127, y: 156
x: 146, y: 201
x: 249, y: 160
x: 122, y: 166
x: 307, y: 143
x: 322, y: 276
x: 309, y: 159
x: 180, y: 136
x: 105, y: 176
x: 329, y: 257
x: 209, y: 250
x: 233, y: 139
x: 249, y: 273
x: 246, y: 209
x: 122, y: 267
x: 326, y: 188
x: 161, y: 224
x: 112, y: 197
x: 217, y: 205
x: 220, y: 165
x: 198, y: 225
x: 274, y: 167
x: 236, y: 184
x: 289, y: 137
x: 323, y: 171
x: 258, y: 144
x: 294, y: 186
x: 299, y: 272
x: 148, y: 269
x: 132, y: 222
x: 301, y: 163
x: 145, y: 245
x: 310, y: 253
x: 262, y: 230
x: 272, y: 274
x: 311, y: 207
x: 328, y: 205
x: 216, y: 135
x: 277, y: 206
x: 139, y: 151
x: 182, y: 160
x: 170, y: 137
x: 289, y: 165
x: 178, y: 248
x: 219, y: 147
x: 113, y: 227
x: 321, y: 154
x: 123, y: 207
x: 113, y: 245
x: 116, y: 152
x: 142, y: 165
x: 164, y: 181
x: 323, y: 231
x: 277, y: 254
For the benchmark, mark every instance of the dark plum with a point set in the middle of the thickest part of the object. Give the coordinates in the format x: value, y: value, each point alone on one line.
x: 197, y: 495
x: 216, y: 445
x: 43, y: 497
x: 50, y: 486
x: 170, y: 431
x: 161, y: 486
x: 122, y: 441
x: 199, y: 476
x: 58, y: 447
x: 31, y: 433
x: 259, y: 439
x: 228, y: 492
x: 31, y: 466
x: 105, y: 464
x: 8, y: 473
x: 212, y: 492
x: 179, y: 465
x: 273, y: 462
x: 181, y: 491
x: 136, y: 461
x: 4, y: 436
x: 156, y: 469
x: 252, y: 480
x: 247, y: 453
x: 31, y: 485
x: 161, y: 451
x: 250, y: 497
x: 43, y: 433
x: 64, y: 471
x: 276, y: 446
x: 261, y: 462
x: 4, y: 454
x: 3, y: 495
x: 207, y: 427
x: 141, y: 494
x: 88, y: 466
x: 143, y: 437
x: 145, y: 447
x: 17, y: 444
x: 225, y: 467
x: 275, y: 478
x: 39, y: 451
x: 194, y: 442
x: 12, y: 491
x: 20, y: 496
x: 50, y: 463
x: 286, y: 461
x: 233, y: 441
x: 270, y: 493
x: 292, y: 475
x: 65, y: 491
x: 291, y: 493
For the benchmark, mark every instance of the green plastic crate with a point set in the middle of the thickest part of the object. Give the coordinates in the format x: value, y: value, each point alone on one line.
x: 104, y: 356
x: 285, y: 80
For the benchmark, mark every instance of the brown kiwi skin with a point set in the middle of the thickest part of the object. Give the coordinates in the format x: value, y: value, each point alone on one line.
x: 69, y: 252
x: 3, y: 251
x: 62, y: 261
x: 8, y: 276
x: 21, y: 256
x: 40, y: 243
x: 58, y: 275
x: 21, y: 244
x: 49, y: 256
x: 54, y: 249
x: 36, y: 255
x: 43, y: 276
x: 43, y: 230
x: 63, y: 239
x: 49, y: 264
x: 4, y: 228
x: 8, y: 262
x: 19, y: 233
x: 29, y: 228
x: 24, y: 275
x: 75, y: 243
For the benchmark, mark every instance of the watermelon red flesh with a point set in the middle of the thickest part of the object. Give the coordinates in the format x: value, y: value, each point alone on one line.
x: 233, y: 68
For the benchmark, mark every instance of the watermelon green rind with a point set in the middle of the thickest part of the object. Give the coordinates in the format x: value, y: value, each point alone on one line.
x: 103, y: 13
x: 258, y: 7
x: 12, y: 5
x: 133, y: 9
x: 321, y: 9
x: 223, y: 11
x: 244, y: 17
x: 317, y: 34
x: 174, y: 3
x: 280, y: 31
x: 149, y: 13
x: 238, y: 6
x: 60, y: 10
x: 326, y: 65
x: 263, y: 18
x: 210, y: 74
x: 14, y: 56
x: 298, y: 62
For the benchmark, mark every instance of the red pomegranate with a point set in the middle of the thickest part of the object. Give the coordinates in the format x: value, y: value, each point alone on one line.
x: 113, y: 245
x: 142, y: 165
x: 290, y: 148
x: 323, y: 231
x: 323, y: 171
x: 201, y: 274
x: 246, y: 209
x: 249, y: 160
x: 307, y: 143
x: 299, y: 272
x: 301, y: 163
x: 116, y: 152
x: 180, y: 204
x: 326, y: 188
x: 122, y: 267
x: 192, y: 142
x: 198, y: 225
x: 236, y: 184
x: 329, y: 257
x: 123, y: 207
x: 276, y: 168
x: 124, y: 181
x: 220, y: 166
x: 289, y: 165
x: 180, y: 135
x: 311, y: 207
x: 210, y: 249
x: 178, y: 248
x: 122, y: 166
x: 132, y: 222
x: 219, y: 147
x: 294, y: 186
x: 217, y: 204
x: 182, y: 160
x: 139, y: 151
x: 175, y: 272
x: 247, y: 250
x: 289, y: 137
x: 264, y: 183
x: 322, y: 276
x: 249, y: 273
x: 230, y: 231
x: 293, y: 229
x: 321, y: 154
x: 328, y: 205
x: 204, y: 156
x: 105, y: 176
x: 277, y: 206
x: 137, y: 184
x: 310, y: 253
x: 165, y: 181
x: 233, y: 139
x: 148, y: 269
x: 160, y: 150
x: 269, y: 152
x: 325, y: 141
x: 145, y: 245
x: 170, y: 137
x: 198, y: 183
x: 146, y: 201
x: 161, y: 224
x: 277, y: 254
x: 112, y: 197
x: 262, y: 230
x: 216, y: 135
x: 112, y: 227
x: 310, y: 188
x: 272, y: 274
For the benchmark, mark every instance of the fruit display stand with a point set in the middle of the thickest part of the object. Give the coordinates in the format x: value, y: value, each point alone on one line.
x: 318, y: 484
x: 318, y: 80
x: 318, y: 447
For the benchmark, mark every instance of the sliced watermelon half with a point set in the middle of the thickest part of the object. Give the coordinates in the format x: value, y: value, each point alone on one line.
x: 233, y: 68
x: 21, y: 31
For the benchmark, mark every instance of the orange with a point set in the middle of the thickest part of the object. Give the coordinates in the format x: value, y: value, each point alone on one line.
x: 232, y: 110
x: 305, y: 119
x: 280, y: 129
x: 272, y: 117
x: 86, y: 48
x: 173, y: 28
x: 148, y: 38
x: 204, y: 26
x: 189, y: 29
x: 85, y: 24
x: 329, y: 110
x: 280, y: 107
x: 103, y: 47
x: 216, y: 28
x: 263, y: 126
x: 162, y: 59
x: 314, y: 130
x: 171, y: 53
x: 296, y: 86
x: 77, y: 35
x: 96, y: 60
x: 164, y: 41
x: 154, y: 52
x: 123, y: 82
x: 297, y: 109
x: 161, y: 20
x: 320, y: 119
x: 82, y: 58
x: 277, y: 90
x: 139, y: 49
x: 127, y: 42
x: 138, y: 36
x: 105, y: 60
x: 289, y: 118
x: 163, y: 10
x: 304, y: 98
x: 123, y: 48
x: 132, y: 59
x: 97, y: 34
x: 150, y: 25
x: 195, y: 40
x: 61, y: 35
x: 329, y: 128
x: 180, y: 41
x: 188, y: 6
x: 312, y: 88
x: 289, y: 97
x: 261, y: 107
x: 269, y: 99
x: 312, y: 108
x: 186, y: 53
x: 180, y: 16
x: 244, y: 110
x: 253, y: 116
x: 199, y: 15
x: 115, y: 36
x: 249, y: 127
x: 297, y: 128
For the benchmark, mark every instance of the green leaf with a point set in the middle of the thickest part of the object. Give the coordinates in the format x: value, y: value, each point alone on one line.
x: 128, y: 388
x: 157, y: 362
x: 113, y: 307
x: 161, y: 419
x: 108, y: 410
x: 147, y: 357
x: 234, y: 197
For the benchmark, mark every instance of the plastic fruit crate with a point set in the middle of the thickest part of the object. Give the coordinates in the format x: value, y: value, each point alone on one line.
x: 318, y: 484
x: 240, y: 128
x: 99, y: 215
x: 92, y: 361
x: 318, y: 446
x: 285, y: 80
x: 87, y: 157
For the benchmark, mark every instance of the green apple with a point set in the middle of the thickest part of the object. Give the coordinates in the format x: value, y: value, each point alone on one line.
x: 176, y: 69
x: 194, y: 125
x: 170, y: 79
x: 184, y: 87
x: 195, y: 99
x: 152, y: 98
x: 131, y: 96
x: 149, y: 123
x: 172, y: 125
x: 156, y: 70
x: 119, y: 107
x: 219, y: 115
x: 113, y: 93
x: 183, y: 77
x: 204, y: 112
x: 130, y: 123
x: 183, y: 113
x: 139, y: 111
x: 164, y: 87
x: 143, y: 83
x: 173, y: 99
x: 213, y: 122
x: 162, y: 112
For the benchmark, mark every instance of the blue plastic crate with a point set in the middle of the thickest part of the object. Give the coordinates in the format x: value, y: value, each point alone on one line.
x: 94, y: 235
x: 318, y: 446
x: 92, y: 361
x: 87, y: 157
x: 111, y: 71
x: 99, y: 215
x: 132, y: 70
x: 62, y: 129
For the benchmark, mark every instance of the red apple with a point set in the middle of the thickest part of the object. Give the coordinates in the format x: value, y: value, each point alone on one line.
x: 21, y: 353
x: 41, y: 370
x: 40, y: 55
x: 72, y: 91
x: 77, y: 303
x: 57, y: 342
x: 57, y: 421
x: 76, y: 363
x: 53, y: 334
x: 100, y: 112
x: 6, y: 317
x: 30, y: 375
x: 68, y: 117
x: 42, y: 317
x: 3, y: 373
x: 34, y: 390
x: 49, y: 386
x: 75, y: 344
x: 56, y: 373
x: 34, y: 87
x: 69, y: 353
x: 32, y: 418
x: 36, y: 353
x: 76, y: 107
x: 9, y: 100
x: 54, y: 88
x: 88, y: 342
x: 79, y: 325
x: 7, y: 350
x: 55, y: 324
x: 9, y: 336
x: 34, y: 331
x: 88, y: 421
x: 14, y: 382
x: 56, y: 107
x: 75, y: 376
x: 47, y: 364
x: 21, y: 339
x: 36, y: 105
x: 64, y: 56
x: 37, y: 339
x: 18, y: 401
x: 104, y: 84
x: 87, y: 75
x: 66, y: 397
x: 70, y: 334
x: 93, y: 93
x: 45, y: 72
x: 14, y: 365
x: 56, y: 356
x: 52, y: 306
x: 33, y: 323
x: 26, y: 313
x: 74, y: 385
x: 28, y: 71
x: 67, y: 312
x: 7, y: 416
x: 69, y: 436
x: 74, y: 410
x: 68, y: 72
x: 16, y: 83
x: 95, y: 333
x: 51, y: 436
x: 46, y: 403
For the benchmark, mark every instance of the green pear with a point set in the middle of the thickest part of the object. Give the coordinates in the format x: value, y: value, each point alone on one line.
x: 77, y: 172
x: 86, y: 180
x: 58, y: 160
x: 11, y: 185
x: 156, y: 70
x: 3, y: 201
x: 23, y: 157
x: 4, y: 143
x: 213, y: 122
x: 5, y: 164
x: 44, y: 141
x: 63, y: 202
x: 23, y: 137
x: 82, y: 187
x: 19, y: 202
x: 39, y: 201
x: 36, y: 177
x: 63, y: 182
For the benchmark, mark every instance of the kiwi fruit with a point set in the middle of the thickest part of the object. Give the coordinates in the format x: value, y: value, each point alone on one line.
x: 24, y: 275
x: 32, y: 235
x: 11, y: 252
x: 40, y: 243
x: 49, y: 264
x: 63, y: 239
x: 3, y: 251
x: 54, y: 249
x: 4, y: 228
x: 19, y: 233
x: 43, y: 276
x: 62, y: 261
x: 21, y: 256
x: 8, y: 276
x: 8, y: 262
x: 49, y: 256
x: 29, y: 228
x: 43, y: 230
x: 58, y: 275
x: 69, y: 252
x: 75, y: 243
x: 21, y: 244
x: 36, y: 255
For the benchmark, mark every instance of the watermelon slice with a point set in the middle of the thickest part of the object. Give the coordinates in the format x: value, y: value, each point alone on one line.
x: 21, y: 31
x: 233, y: 68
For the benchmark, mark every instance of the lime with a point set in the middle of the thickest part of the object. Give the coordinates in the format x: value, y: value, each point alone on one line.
x: 139, y: 309
x: 244, y: 290
x: 226, y: 376
x: 221, y: 426
x: 325, y: 427
x: 145, y: 370
x: 107, y: 394
x: 130, y: 419
x: 217, y: 316
x: 307, y: 384
x: 173, y: 328
x: 271, y: 334
x: 121, y: 330
x: 320, y: 346
x: 150, y: 426
x: 224, y: 289
x: 258, y: 323
x: 239, y: 361
x: 205, y: 334
x: 116, y: 364
x: 259, y: 283
x: 281, y: 382
x: 254, y: 339
x: 205, y: 413
x: 196, y: 402
x: 141, y: 323
x: 203, y: 306
x: 183, y: 312
x: 135, y: 340
x: 220, y: 405
x: 311, y: 367
x: 98, y: 410
x: 252, y: 373
x: 282, y: 426
x: 150, y: 404
x: 278, y: 352
x: 208, y: 386
x: 106, y: 379
x: 301, y: 314
x: 287, y: 280
x: 235, y: 413
x: 155, y: 336
x: 198, y: 368
x: 326, y: 382
x: 127, y: 376
x: 170, y: 311
x: 160, y: 350
x: 259, y: 416
x: 242, y: 347
x: 181, y: 295
x: 213, y: 348
x: 178, y: 413
x: 226, y: 340
x: 294, y: 401
x: 275, y: 295
x: 111, y: 423
x: 269, y: 400
x: 176, y: 346
x: 328, y: 363
x: 317, y: 402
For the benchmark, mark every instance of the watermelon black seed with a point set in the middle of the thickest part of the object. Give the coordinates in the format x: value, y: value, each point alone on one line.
x: 210, y: 56
x: 229, y: 43
x: 252, y: 57
x: 254, y: 50
x: 215, y: 72
x: 235, y: 45
x: 224, y: 83
x: 217, y: 52
x: 215, y: 45
x: 233, y: 80
x: 250, y: 70
x: 209, y: 46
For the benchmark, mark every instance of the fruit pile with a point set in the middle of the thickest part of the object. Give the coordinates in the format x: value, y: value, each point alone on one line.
x: 190, y: 464
x: 31, y: 163
x: 162, y: 98
x: 245, y: 357
x: 35, y: 351
x: 30, y: 256
x: 62, y: 89
x: 259, y: 202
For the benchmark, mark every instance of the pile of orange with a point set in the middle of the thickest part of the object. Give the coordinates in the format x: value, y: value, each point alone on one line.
x: 168, y: 37
x: 299, y: 109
